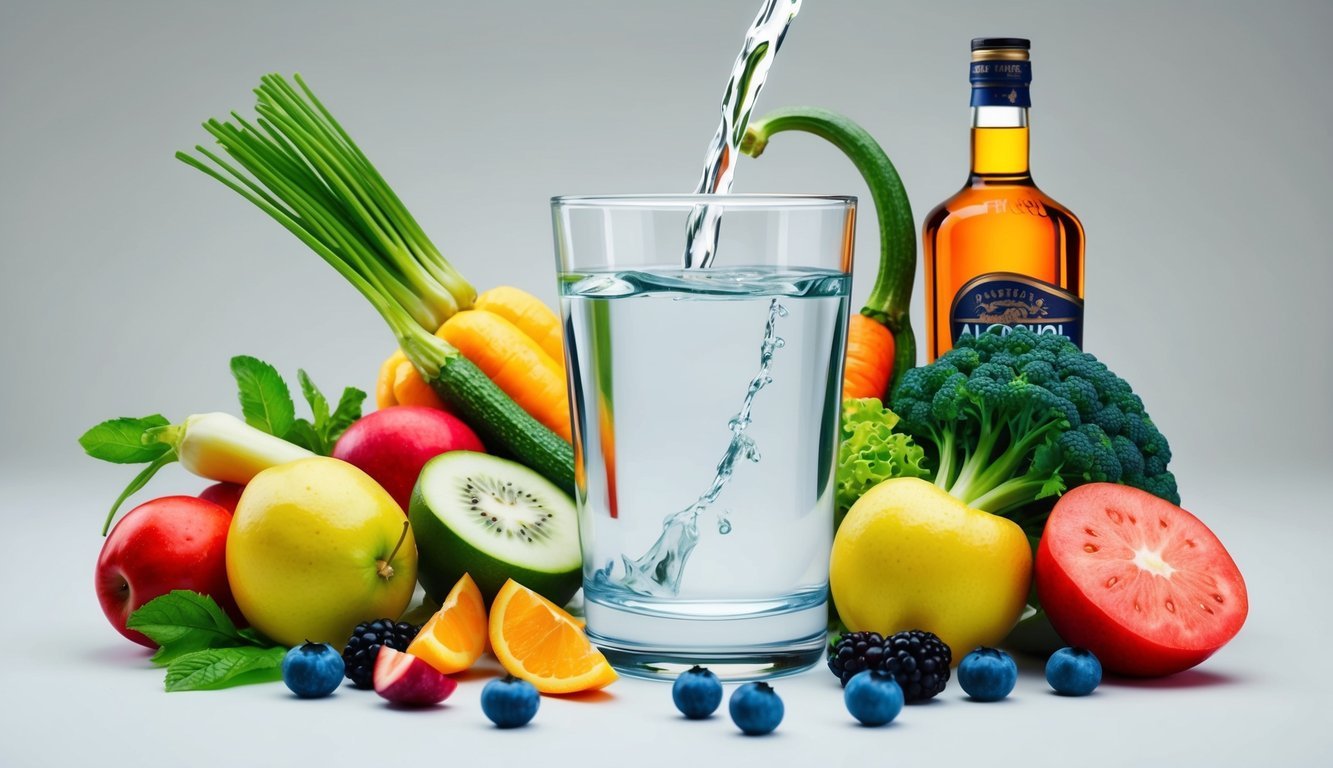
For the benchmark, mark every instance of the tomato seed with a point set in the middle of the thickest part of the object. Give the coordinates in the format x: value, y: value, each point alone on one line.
x: 1171, y: 606
x: 1111, y: 582
x: 1089, y: 547
x: 1115, y: 516
x: 1089, y: 531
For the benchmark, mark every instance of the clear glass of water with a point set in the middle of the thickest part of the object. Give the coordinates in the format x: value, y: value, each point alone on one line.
x: 705, y: 406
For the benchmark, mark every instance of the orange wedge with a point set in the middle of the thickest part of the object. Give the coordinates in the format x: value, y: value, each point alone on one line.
x: 455, y: 637
x: 537, y: 641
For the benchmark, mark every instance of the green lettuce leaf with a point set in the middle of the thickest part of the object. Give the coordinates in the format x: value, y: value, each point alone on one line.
x: 872, y: 452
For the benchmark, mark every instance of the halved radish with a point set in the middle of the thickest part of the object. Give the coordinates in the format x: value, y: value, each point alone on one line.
x: 1140, y: 582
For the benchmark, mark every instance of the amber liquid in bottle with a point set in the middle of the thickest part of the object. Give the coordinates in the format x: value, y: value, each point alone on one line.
x: 1018, y: 253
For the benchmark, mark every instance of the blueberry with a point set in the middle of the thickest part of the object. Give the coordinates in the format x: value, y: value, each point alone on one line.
x: 873, y: 697
x: 1073, y: 672
x: 510, y: 702
x: 755, y: 709
x: 312, y: 670
x: 697, y: 693
x: 987, y: 674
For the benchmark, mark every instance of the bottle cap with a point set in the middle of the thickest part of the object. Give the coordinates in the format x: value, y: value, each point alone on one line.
x: 1000, y: 72
x: 991, y: 43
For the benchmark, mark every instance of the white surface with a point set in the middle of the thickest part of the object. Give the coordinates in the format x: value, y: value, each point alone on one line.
x: 76, y: 693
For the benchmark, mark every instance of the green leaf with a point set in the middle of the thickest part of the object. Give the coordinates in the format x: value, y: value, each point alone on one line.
x: 139, y: 481
x: 303, y: 433
x: 871, y: 452
x: 319, y: 406
x: 348, y: 411
x: 266, y: 402
x: 221, y: 667
x: 183, y: 622
x: 121, y: 440
x: 252, y: 636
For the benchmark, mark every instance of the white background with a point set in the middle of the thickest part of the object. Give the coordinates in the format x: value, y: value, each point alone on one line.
x: 1191, y: 138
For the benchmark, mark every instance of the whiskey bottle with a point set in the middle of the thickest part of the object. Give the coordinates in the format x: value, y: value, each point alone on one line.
x: 1000, y: 253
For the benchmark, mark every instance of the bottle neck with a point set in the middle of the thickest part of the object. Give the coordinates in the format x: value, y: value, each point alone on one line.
x: 1000, y: 142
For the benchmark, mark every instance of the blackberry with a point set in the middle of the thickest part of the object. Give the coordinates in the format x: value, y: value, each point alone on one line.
x: 918, y: 660
x: 364, y: 647
x: 855, y: 652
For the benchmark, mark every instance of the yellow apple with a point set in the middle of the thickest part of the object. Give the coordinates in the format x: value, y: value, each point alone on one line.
x: 910, y: 556
x: 315, y: 548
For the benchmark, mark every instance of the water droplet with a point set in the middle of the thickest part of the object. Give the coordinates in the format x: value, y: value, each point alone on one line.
x: 723, y: 524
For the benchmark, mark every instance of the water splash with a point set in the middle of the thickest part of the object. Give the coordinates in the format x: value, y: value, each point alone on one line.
x: 748, y: 74
x: 723, y: 523
x: 658, y: 571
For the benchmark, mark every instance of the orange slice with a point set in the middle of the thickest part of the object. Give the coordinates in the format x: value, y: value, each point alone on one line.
x: 537, y: 641
x: 455, y: 637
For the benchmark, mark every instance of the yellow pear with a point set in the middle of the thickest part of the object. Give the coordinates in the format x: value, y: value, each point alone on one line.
x: 910, y: 556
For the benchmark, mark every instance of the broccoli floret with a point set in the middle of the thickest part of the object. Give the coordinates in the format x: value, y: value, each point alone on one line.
x: 1008, y: 419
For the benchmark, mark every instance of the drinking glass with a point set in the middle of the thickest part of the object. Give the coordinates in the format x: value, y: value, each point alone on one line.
x: 705, y: 408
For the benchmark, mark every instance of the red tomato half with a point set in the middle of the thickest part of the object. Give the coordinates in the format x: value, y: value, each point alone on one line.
x: 1137, y: 580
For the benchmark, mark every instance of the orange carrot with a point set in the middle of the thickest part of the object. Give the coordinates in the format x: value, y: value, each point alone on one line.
x: 869, y: 363
x: 515, y: 362
x: 400, y: 384
x: 529, y: 314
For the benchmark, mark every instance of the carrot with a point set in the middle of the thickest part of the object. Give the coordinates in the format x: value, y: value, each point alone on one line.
x: 869, y: 363
x: 400, y: 384
x: 529, y: 314
x: 515, y: 362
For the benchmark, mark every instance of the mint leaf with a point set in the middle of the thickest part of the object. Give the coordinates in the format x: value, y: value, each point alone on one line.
x: 252, y: 636
x: 220, y: 667
x: 319, y: 406
x: 348, y: 411
x: 183, y: 622
x: 303, y: 434
x: 121, y: 440
x: 266, y: 402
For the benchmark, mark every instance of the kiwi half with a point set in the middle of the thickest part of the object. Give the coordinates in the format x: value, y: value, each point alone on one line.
x: 496, y: 520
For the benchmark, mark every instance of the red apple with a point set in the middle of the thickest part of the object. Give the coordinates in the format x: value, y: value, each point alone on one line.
x: 393, y: 444
x: 175, y: 542
x: 405, y: 679
x: 225, y: 495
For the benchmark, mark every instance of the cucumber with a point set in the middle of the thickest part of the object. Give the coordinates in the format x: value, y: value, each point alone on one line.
x: 505, y: 428
x: 494, y: 519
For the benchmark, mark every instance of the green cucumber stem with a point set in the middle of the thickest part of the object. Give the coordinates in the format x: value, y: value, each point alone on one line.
x: 891, y: 297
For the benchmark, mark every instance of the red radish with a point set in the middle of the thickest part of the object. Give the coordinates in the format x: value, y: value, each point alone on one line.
x: 175, y: 542
x: 1138, y: 581
x: 393, y: 444
x: 225, y: 495
x: 404, y: 679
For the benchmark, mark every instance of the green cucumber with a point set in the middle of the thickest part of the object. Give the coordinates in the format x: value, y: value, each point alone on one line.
x: 889, y: 303
x: 496, y: 520
x: 503, y: 426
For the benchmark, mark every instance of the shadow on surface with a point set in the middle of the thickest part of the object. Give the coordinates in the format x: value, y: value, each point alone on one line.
x: 122, y: 655
x: 583, y: 696
x: 1190, y: 678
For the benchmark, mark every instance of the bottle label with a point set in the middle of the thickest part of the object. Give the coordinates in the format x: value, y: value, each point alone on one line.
x: 999, y: 83
x: 1000, y: 301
